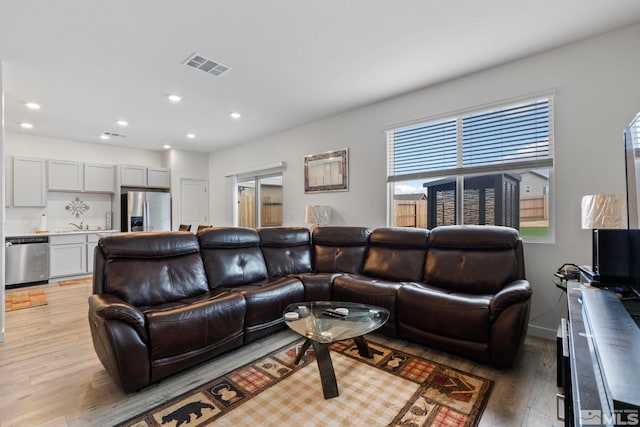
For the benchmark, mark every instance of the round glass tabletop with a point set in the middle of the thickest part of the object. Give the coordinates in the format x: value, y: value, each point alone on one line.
x: 330, y: 321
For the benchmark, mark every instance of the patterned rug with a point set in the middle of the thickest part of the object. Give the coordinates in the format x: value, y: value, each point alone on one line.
x: 393, y: 389
x: 16, y: 300
x: 84, y: 280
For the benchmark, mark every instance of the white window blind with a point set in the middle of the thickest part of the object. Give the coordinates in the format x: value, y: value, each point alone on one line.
x: 425, y: 147
x: 510, y: 137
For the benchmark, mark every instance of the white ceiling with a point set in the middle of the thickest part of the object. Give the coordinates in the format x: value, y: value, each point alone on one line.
x: 89, y: 63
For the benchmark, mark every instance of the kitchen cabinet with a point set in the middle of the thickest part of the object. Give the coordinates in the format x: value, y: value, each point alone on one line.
x: 67, y: 255
x: 98, y: 178
x: 142, y: 176
x: 72, y: 254
x: 28, y: 182
x: 76, y: 176
x: 133, y: 176
x: 158, y: 178
x: 64, y: 175
x: 92, y: 242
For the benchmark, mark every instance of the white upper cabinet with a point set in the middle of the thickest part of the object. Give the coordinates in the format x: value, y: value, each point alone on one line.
x: 98, y: 177
x: 28, y: 182
x: 76, y: 176
x: 64, y: 175
x: 142, y: 176
x: 158, y: 178
x: 133, y: 176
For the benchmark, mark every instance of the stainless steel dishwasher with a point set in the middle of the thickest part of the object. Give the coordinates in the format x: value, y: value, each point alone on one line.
x: 26, y: 260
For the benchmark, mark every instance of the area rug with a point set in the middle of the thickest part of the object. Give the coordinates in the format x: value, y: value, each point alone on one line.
x: 75, y: 281
x: 393, y: 389
x: 16, y: 300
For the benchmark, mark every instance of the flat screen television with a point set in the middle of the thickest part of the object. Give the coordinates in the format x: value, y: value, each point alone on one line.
x: 616, y: 252
x: 632, y: 166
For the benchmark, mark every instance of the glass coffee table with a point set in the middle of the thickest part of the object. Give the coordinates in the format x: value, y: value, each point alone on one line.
x: 325, y: 322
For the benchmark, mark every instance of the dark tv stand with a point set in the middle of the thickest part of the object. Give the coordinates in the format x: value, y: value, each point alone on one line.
x: 600, y: 367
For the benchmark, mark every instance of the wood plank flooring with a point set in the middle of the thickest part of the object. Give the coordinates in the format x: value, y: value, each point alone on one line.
x: 50, y: 375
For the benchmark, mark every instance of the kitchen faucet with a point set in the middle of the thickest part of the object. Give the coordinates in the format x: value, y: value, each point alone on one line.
x: 79, y: 227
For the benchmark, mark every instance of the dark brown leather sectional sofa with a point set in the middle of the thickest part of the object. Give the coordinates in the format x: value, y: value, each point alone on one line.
x: 165, y: 301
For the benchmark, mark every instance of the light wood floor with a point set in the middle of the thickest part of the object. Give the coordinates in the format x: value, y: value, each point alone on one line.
x: 50, y: 375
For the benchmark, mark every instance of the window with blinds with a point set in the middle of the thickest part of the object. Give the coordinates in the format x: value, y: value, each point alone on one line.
x: 511, y: 137
x: 484, y: 166
x: 514, y: 134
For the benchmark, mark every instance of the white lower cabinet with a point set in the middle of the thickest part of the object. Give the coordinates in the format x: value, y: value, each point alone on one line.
x: 92, y: 242
x: 72, y: 254
x: 67, y: 255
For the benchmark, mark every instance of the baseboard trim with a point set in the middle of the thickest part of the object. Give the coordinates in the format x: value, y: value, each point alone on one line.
x: 539, y: 331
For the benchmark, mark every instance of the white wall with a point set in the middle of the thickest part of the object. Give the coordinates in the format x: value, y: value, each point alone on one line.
x: 2, y: 212
x: 24, y: 144
x: 597, y: 95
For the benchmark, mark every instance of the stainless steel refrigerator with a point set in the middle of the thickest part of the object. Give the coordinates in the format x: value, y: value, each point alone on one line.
x: 145, y: 211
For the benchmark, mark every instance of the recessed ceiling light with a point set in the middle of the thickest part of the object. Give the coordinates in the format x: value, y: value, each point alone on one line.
x: 122, y: 122
x: 32, y: 105
x: 174, y: 98
x: 235, y: 115
x: 103, y: 136
x: 26, y: 125
x: 166, y: 146
x: 191, y: 135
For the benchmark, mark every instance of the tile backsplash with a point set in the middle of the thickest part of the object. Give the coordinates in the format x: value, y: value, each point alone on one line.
x: 61, y: 210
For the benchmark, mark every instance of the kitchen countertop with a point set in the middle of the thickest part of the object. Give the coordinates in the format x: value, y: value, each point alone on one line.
x: 60, y: 233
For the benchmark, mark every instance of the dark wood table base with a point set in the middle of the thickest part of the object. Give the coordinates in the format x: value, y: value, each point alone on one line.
x: 325, y: 366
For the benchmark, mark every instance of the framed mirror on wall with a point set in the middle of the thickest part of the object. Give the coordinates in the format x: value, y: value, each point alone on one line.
x: 326, y: 171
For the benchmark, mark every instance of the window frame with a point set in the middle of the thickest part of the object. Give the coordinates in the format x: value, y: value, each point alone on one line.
x: 460, y: 171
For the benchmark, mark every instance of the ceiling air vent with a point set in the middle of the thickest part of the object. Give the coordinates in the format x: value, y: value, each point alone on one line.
x: 206, y: 65
x: 113, y: 134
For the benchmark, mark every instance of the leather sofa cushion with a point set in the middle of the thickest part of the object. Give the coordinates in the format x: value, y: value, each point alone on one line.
x: 448, y: 314
x: 476, y: 272
x: 228, y: 237
x: 477, y: 259
x: 152, y: 268
x: 474, y: 237
x: 331, y: 235
x: 148, y: 245
x: 267, y: 300
x: 339, y: 249
x: 232, y: 256
x: 317, y: 286
x: 286, y: 250
x: 367, y: 290
x: 396, y: 254
x: 185, y: 326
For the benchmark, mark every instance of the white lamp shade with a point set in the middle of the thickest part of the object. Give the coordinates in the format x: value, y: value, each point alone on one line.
x: 604, y: 211
x: 317, y: 214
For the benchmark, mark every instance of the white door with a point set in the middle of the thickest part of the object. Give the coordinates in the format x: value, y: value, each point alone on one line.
x: 194, y: 204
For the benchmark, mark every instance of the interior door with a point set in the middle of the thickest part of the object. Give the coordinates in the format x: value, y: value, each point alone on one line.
x: 194, y: 204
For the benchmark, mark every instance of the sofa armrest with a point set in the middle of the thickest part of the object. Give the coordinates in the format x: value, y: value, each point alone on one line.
x: 110, y: 307
x: 515, y: 292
